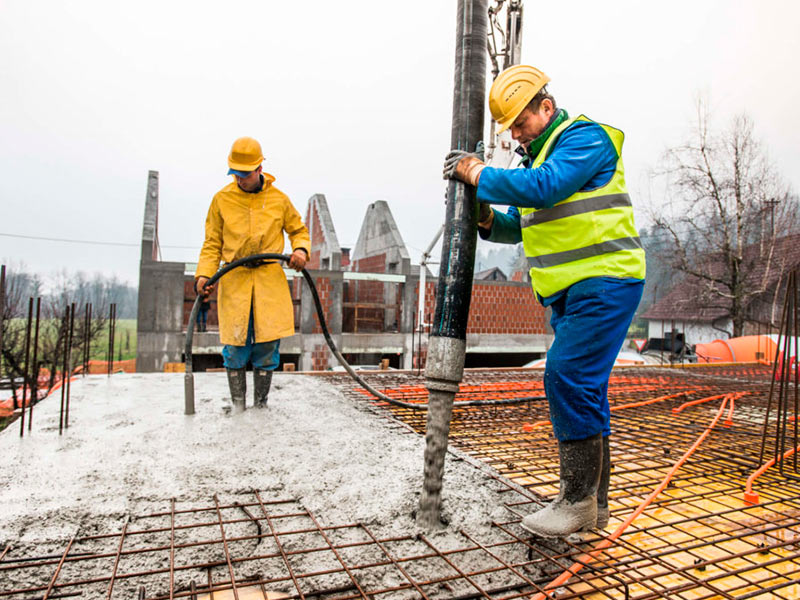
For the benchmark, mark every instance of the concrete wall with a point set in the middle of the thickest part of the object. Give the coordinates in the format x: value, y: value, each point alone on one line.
x: 160, y: 308
x: 160, y: 318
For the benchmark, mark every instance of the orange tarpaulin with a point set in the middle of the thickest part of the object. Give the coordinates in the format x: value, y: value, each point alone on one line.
x: 96, y: 367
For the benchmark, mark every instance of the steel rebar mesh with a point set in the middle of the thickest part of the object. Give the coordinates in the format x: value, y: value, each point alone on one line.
x: 698, y: 538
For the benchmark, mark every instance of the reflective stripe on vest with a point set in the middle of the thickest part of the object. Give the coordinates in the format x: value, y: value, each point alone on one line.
x: 559, y: 211
x: 558, y: 258
x: 589, y: 234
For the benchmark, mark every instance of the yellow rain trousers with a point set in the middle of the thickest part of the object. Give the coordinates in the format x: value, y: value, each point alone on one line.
x: 240, y: 224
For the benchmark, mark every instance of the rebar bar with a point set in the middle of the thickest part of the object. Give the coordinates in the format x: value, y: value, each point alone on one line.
x: 784, y: 387
x: 65, y: 342
x: 25, y: 379
x: 68, y: 381
x: 35, y: 378
x: 112, y: 317
x: 87, y: 337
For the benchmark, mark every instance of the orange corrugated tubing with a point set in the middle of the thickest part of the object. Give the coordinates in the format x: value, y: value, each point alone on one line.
x: 581, y: 561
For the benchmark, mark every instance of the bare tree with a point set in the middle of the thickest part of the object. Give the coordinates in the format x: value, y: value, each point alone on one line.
x: 64, y: 290
x: 725, y: 212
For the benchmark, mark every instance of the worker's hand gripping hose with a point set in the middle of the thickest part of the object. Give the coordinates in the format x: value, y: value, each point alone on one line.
x: 255, y: 258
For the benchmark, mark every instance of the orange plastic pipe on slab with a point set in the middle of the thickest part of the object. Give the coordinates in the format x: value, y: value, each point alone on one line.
x: 653, y: 401
x: 751, y: 497
x: 532, y: 426
x: 583, y: 560
x: 700, y: 401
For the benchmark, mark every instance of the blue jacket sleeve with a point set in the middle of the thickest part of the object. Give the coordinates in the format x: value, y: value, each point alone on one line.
x: 582, y: 158
x: 505, y: 228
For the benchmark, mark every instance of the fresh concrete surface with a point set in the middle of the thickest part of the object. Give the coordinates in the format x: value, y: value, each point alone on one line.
x: 130, y: 449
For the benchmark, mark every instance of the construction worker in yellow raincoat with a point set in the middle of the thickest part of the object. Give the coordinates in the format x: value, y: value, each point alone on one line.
x: 248, y: 216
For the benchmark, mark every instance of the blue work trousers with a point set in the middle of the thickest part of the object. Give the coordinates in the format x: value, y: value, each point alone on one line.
x: 590, y: 322
x: 264, y: 355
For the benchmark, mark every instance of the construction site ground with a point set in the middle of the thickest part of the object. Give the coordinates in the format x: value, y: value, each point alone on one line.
x: 314, y: 497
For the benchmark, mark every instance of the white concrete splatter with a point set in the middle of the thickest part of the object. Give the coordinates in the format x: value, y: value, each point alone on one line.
x: 130, y: 448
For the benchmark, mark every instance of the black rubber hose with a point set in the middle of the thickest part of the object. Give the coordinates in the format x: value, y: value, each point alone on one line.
x: 328, y: 339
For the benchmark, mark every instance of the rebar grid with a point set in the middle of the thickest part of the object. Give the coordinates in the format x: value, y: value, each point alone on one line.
x: 245, y: 549
x: 698, y: 538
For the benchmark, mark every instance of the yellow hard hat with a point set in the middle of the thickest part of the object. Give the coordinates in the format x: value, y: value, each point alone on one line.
x: 511, y: 92
x: 245, y: 155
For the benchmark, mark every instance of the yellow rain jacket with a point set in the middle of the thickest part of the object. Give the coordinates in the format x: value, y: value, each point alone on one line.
x: 240, y: 224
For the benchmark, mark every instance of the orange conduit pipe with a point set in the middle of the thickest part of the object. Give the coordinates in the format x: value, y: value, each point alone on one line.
x: 653, y: 401
x: 532, y: 426
x: 751, y: 497
x: 729, y: 419
x: 583, y: 560
x: 733, y: 395
x: 700, y: 401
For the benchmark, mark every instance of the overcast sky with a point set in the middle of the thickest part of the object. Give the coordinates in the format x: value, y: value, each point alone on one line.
x: 350, y: 99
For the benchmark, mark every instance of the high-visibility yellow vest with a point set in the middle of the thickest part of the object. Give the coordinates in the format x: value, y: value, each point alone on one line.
x: 589, y: 234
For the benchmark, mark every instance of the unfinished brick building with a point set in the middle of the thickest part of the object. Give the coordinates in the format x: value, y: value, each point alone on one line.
x: 370, y: 298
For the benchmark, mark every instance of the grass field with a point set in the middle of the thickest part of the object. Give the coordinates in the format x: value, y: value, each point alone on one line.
x: 124, y: 341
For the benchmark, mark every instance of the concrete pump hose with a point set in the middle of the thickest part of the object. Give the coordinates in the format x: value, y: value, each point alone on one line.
x: 328, y: 339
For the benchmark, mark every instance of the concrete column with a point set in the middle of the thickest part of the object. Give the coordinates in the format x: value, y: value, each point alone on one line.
x: 410, y: 300
x: 307, y: 308
x: 160, y: 315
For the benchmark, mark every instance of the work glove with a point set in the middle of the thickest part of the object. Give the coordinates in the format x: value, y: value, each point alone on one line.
x: 464, y: 166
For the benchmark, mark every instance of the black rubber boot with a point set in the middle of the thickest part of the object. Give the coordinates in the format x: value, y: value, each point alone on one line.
x: 261, y: 382
x: 575, y: 507
x: 602, y: 488
x: 237, y: 381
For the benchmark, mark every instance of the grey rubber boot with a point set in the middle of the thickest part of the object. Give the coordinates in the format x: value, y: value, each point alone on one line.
x: 602, y: 488
x: 237, y: 381
x: 575, y: 506
x: 261, y: 382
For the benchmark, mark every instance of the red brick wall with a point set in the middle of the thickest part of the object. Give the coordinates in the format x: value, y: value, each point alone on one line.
x: 368, y: 320
x: 317, y: 237
x: 324, y: 290
x: 498, y: 308
x: 370, y: 264
x: 319, y: 357
x: 430, y: 302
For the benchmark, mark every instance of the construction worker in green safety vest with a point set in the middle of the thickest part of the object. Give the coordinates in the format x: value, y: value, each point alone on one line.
x: 570, y: 208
